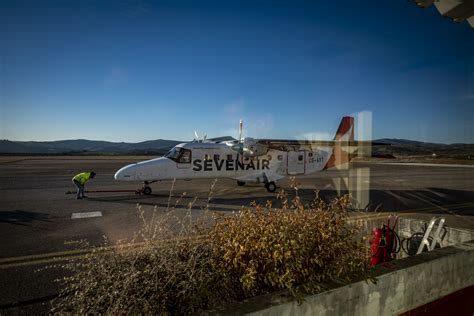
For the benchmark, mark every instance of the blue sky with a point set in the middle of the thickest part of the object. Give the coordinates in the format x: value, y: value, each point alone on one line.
x: 140, y: 70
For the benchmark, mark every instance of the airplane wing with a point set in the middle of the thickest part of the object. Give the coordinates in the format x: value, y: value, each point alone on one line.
x: 279, y: 143
x: 344, y: 137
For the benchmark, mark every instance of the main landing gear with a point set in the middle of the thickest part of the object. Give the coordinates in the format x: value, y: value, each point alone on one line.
x: 271, y: 186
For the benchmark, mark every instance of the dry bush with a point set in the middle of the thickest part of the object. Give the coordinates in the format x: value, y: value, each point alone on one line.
x: 264, y: 249
x: 164, y: 269
x: 184, y: 265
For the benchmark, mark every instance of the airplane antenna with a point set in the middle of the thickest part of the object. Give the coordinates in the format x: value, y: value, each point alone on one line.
x: 241, y: 127
x: 204, y: 138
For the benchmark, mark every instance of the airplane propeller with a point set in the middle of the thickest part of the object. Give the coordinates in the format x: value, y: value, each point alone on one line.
x: 196, y: 138
x: 248, y: 146
x: 241, y: 127
x: 239, y: 147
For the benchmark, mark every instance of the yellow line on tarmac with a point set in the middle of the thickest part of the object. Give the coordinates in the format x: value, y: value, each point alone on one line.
x: 45, y: 255
x: 60, y: 256
x: 41, y: 261
x: 48, y: 257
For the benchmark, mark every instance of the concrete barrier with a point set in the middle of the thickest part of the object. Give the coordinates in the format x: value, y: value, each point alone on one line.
x: 402, y: 285
x: 451, y: 236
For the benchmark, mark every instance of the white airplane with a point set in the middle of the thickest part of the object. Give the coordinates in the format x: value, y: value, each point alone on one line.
x: 246, y: 160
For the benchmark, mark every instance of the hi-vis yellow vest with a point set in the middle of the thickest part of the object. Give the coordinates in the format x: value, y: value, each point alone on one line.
x: 82, y: 178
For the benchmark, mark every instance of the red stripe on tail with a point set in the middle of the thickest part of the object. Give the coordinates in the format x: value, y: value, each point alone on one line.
x: 345, y: 127
x: 345, y: 132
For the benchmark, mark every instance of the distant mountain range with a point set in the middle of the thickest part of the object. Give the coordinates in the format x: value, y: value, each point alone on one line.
x: 160, y: 146
x: 404, y: 147
x: 84, y: 146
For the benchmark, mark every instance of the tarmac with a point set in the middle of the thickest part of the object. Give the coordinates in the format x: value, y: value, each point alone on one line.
x: 37, y: 218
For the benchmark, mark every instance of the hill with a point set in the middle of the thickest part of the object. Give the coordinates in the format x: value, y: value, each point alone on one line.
x: 397, y: 148
x: 84, y: 146
x: 404, y: 147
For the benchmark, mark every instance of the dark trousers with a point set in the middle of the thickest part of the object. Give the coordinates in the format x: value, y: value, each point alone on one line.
x: 80, y: 188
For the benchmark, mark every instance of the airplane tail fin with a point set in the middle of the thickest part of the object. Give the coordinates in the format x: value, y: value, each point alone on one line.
x: 345, y: 132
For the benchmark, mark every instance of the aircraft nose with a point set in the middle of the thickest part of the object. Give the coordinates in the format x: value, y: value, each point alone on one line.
x: 125, y: 173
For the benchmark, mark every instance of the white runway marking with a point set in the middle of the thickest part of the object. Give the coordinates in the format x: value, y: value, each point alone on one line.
x: 85, y: 215
x: 423, y: 164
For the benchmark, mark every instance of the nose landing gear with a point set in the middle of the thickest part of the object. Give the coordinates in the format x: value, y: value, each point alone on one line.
x: 146, y: 189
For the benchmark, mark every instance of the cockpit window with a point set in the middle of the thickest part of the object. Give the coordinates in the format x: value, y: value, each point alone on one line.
x: 179, y: 155
x: 184, y: 156
x: 173, y: 153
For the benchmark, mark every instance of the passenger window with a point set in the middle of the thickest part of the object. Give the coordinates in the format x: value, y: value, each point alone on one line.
x: 310, y: 154
x: 229, y: 157
x: 300, y: 157
x: 216, y: 157
x: 206, y: 157
x: 280, y: 157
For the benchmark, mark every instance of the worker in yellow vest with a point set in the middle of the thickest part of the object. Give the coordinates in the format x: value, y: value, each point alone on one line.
x: 80, y: 180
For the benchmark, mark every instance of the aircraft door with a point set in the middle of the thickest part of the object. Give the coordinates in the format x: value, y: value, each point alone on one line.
x: 296, y: 163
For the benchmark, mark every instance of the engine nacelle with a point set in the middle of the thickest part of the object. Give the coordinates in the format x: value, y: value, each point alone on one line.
x: 252, y: 149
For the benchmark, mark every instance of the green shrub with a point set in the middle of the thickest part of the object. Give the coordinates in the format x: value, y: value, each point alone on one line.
x: 184, y: 265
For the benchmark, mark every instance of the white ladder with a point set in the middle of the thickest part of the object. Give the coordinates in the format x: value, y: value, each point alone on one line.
x: 436, y: 237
